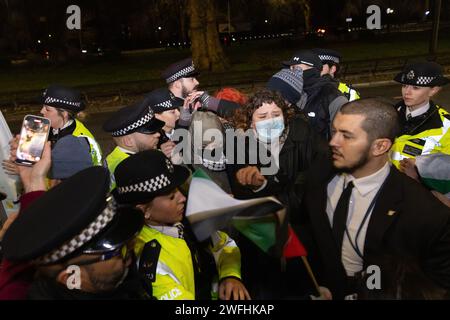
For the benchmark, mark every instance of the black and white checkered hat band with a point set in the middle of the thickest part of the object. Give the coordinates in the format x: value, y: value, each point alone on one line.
x: 141, y: 122
x: 180, y: 74
x: 325, y: 57
x: 425, y: 80
x: 83, y: 237
x: 49, y: 100
x: 151, y: 185
x: 166, y: 104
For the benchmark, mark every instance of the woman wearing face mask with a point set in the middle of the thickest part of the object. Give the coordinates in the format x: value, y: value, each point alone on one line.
x: 269, y: 119
x: 293, y: 146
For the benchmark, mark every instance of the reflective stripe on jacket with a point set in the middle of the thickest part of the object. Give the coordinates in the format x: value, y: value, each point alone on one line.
x: 426, y: 142
x: 95, y: 150
x: 350, y: 93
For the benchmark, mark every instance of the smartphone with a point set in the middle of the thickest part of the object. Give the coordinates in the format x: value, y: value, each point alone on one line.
x: 33, y: 136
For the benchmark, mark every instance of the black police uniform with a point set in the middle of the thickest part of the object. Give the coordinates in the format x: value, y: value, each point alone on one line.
x: 72, y: 219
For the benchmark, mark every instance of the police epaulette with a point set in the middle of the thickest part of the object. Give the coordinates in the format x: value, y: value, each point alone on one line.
x: 447, y: 116
x: 149, y: 261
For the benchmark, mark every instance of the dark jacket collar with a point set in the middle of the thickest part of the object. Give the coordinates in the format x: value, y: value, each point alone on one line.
x: 428, y: 120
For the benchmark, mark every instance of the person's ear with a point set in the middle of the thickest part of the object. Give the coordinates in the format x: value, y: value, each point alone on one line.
x: 128, y: 141
x: 62, y: 277
x: 178, y: 84
x: 66, y: 116
x: 381, y: 146
x: 434, y: 90
x: 333, y: 70
x: 145, y: 209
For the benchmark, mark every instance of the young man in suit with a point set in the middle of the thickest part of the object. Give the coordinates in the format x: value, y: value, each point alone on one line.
x: 359, y: 208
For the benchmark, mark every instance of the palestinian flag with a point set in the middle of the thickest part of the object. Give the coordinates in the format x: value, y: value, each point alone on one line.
x: 209, y: 209
x: 434, y: 170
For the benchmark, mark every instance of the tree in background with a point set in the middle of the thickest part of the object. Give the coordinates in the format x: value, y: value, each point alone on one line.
x: 207, y: 51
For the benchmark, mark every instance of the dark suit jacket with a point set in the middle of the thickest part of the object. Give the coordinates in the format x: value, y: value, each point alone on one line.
x: 407, y: 221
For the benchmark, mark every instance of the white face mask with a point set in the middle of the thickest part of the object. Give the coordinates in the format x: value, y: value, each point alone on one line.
x: 270, y: 129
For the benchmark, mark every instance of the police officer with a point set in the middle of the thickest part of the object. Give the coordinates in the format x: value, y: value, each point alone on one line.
x: 79, y: 241
x: 424, y: 125
x: 61, y: 105
x: 136, y: 128
x: 181, y: 78
x: 172, y: 262
x: 331, y: 66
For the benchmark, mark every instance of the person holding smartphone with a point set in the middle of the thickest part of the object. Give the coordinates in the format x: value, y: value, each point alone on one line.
x: 62, y: 105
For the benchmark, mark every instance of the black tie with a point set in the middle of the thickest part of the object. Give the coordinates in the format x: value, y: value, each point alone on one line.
x: 340, y: 215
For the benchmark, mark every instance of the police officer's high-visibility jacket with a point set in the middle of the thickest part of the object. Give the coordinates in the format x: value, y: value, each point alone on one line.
x: 96, y: 152
x: 349, y: 92
x: 426, y: 134
x: 113, y: 160
x: 169, y: 260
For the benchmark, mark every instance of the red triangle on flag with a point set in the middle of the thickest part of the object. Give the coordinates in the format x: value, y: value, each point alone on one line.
x: 293, y: 247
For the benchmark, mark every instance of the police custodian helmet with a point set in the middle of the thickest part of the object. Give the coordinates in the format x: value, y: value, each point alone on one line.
x: 422, y: 74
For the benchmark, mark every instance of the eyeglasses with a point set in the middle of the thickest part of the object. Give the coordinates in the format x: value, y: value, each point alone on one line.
x: 122, y: 251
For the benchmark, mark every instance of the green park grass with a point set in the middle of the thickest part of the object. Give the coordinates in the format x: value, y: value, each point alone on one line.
x: 248, y: 57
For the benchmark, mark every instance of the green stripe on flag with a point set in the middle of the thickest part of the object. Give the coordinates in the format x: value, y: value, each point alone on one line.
x: 261, y: 231
x: 443, y: 186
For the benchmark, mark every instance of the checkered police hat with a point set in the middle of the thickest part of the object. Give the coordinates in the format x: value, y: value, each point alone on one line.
x: 180, y: 69
x: 422, y: 74
x: 63, y: 97
x: 131, y: 118
x: 69, y: 218
x: 146, y: 175
x: 328, y: 55
x: 162, y: 99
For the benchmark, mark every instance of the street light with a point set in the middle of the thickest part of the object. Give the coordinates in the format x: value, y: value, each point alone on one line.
x: 427, y: 12
x: 266, y: 21
x: 159, y: 28
x: 389, y: 11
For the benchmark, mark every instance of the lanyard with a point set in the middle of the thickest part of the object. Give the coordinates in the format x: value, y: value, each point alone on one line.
x: 366, y: 215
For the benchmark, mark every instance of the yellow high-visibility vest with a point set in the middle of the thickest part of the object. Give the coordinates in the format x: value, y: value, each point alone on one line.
x: 95, y: 150
x: 112, y: 161
x: 350, y: 93
x: 436, y: 140
x: 174, y: 279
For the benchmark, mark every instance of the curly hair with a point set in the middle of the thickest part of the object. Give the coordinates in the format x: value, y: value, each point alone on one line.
x: 242, y: 118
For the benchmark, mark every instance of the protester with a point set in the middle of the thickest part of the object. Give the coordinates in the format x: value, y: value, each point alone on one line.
x: 360, y: 208
x: 323, y: 98
x: 289, y: 83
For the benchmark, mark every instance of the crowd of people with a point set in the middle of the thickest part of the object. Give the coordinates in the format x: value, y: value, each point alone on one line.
x: 363, y: 183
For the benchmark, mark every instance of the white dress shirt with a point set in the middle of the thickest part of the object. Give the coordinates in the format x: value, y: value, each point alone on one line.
x: 417, y: 112
x: 126, y: 150
x: 364, y: 191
